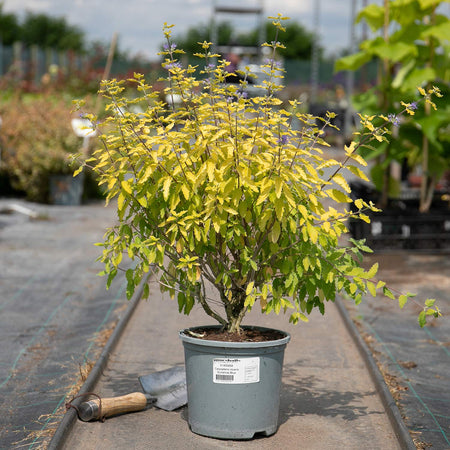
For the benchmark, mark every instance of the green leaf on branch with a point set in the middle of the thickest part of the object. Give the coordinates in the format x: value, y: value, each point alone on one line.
x: 374, y: 16
x: 338, y: 196
x: 249, y: 288
x: 126, y: 186
x: 371, y: 288
x: 422, y: 319
x: 130, y: 283
x: 402, y: 299
x: 352, y: 62
x: 388, y: 293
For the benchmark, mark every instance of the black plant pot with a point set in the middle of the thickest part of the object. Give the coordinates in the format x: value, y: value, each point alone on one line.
x: 401, y: 226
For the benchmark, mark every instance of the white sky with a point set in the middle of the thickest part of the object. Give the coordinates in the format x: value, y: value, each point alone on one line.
x: 139, y: 22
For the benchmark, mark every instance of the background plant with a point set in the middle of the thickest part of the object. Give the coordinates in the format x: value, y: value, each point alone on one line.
x: 413, y: 48
x: 217, y: 189
x: 37, y: 141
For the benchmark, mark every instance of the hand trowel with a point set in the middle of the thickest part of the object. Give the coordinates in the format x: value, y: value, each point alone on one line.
x: 165, y: 389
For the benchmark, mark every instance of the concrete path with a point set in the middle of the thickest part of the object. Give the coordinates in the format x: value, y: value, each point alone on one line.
x: 328, y: 399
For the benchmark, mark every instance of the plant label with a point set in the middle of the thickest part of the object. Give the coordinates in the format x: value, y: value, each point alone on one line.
x: 236, y: 370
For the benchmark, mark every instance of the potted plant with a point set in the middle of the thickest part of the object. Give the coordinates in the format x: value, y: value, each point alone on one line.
x: 221, y: 193
x: 38, y: 143
x: 412, y: 48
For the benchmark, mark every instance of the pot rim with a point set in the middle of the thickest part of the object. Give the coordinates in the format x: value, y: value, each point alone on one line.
x: 210, y: 343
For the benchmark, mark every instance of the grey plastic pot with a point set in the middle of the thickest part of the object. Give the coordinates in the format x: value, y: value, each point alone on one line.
x: 233, y: 387
x: 66, y: 189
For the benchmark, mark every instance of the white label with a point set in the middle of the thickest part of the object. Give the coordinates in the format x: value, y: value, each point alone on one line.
x: 235, y: 370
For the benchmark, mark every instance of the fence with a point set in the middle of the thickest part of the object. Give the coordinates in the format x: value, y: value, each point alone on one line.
x: 31, y: 63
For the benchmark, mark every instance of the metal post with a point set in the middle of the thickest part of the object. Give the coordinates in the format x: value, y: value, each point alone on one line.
x: 35, y: 64
x: 1, y: 57
x: 315, y: 53
x: 364, y: 36
x: 262, y: 28
x: 214, y: 32
x: 17, y: 60
x: 350, y: 81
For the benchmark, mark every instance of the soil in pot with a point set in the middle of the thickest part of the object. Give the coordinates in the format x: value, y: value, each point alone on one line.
x: 246, y: 335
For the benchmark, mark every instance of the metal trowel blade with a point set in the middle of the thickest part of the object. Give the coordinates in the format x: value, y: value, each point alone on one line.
x: 167, y: 387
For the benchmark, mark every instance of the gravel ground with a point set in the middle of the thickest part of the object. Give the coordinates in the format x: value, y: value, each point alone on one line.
x: 414, y: 361
x: 55, y: 313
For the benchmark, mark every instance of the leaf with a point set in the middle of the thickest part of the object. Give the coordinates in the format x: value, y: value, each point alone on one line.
x: 230, y: 210
x: 166, y: 187
x: 342, y: 182
x: 78, y: 171
x: 264, y: 292
x: 291, y: 280
x: 416, y: 77
x: 249, y: 288
x: 422, y: 319
x: 295, y: 317
x: 338, y: 196
x: 350, y: 149
x: 181, y: 301
x: 364, y: 217
x: 306, y: 263
x: 143, y: 201
x: 393, y: 51
x: 303, y: 211
x: 312, y: 232
x: 372, y: 271
x: 371, y: 288
x: 185, y: 190
x: 130, y: 283
x: 278, y: 186
x: 402, y: 301
x: 358, y: 172
x: 279, y: 209
x: 440, y: 31
x: 250, y: 301
x: 352, y: 62
x: 359, y: 159
x: 303, y: 318
x: 373, y: 14
x: 275, y: 232
x: 126, y: 186
x: 120, y: 202
x: 210, y: 168
x: 402, y: 73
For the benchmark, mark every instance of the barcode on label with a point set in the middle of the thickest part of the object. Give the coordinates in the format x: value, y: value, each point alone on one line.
x: 224, y: 377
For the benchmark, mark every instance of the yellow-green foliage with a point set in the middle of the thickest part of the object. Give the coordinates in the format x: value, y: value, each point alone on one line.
x: 216, y: 188
x: 37, y: 140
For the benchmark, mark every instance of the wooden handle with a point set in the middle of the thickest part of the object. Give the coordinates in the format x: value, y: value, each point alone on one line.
x: 135, y: 401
